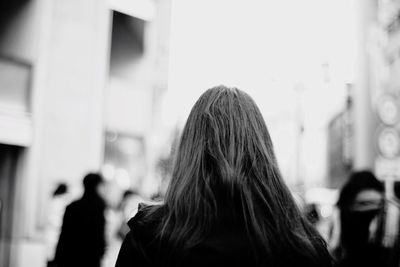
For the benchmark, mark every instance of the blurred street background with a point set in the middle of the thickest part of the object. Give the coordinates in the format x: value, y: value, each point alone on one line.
x: 106, y: 85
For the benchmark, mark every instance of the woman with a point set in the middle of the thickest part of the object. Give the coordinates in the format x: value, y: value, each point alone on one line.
x: 359, y: 226
x: 227, y: 204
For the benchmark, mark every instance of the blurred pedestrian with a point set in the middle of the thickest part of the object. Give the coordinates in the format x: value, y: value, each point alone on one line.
x: 356, y: 238
x: 59, y: 200
x: 227, y: 204
x: 128, y: 208
x: 82, y: 238
x: 117, y: 226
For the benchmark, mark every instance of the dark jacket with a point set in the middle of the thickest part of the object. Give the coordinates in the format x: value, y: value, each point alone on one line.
x: 225, y: 246
x: 82, y: 237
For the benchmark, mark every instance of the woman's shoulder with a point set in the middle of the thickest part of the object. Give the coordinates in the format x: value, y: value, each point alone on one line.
x: 138, y: 247
x: 146, y: 220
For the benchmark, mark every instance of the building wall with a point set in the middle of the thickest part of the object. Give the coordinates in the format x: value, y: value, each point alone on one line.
x: 71, y: 110
x: 21, y: 32
x: 67, y: 44
x: 138, y: 82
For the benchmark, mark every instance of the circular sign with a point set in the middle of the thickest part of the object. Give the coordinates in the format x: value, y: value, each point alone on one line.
x: 388, y: 110
x: 389, y: 142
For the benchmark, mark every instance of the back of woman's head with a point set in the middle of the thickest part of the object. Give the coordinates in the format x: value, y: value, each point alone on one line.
x: 225, y: 161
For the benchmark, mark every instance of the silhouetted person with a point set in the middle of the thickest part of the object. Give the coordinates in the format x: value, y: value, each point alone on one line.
x: 60, y: 199
x: 128, y: 208
x: 360, y: 203
x: 82, y: 238
x: 227, y: 204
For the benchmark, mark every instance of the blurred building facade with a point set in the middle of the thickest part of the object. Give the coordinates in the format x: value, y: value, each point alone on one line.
x: 385, y: 89
x: 80, y: 87
x: 366, y: 135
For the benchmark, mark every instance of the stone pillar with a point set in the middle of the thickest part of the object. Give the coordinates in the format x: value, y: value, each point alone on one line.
x: 364, y: 122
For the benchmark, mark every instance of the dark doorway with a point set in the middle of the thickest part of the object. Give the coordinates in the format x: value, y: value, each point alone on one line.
x: 8, y: 168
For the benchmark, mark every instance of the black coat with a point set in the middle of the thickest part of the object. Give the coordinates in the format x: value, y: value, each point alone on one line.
x: 226, y: 246
x: 82, y: 237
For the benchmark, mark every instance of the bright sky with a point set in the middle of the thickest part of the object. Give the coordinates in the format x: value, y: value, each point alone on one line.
x: 266, y: 48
